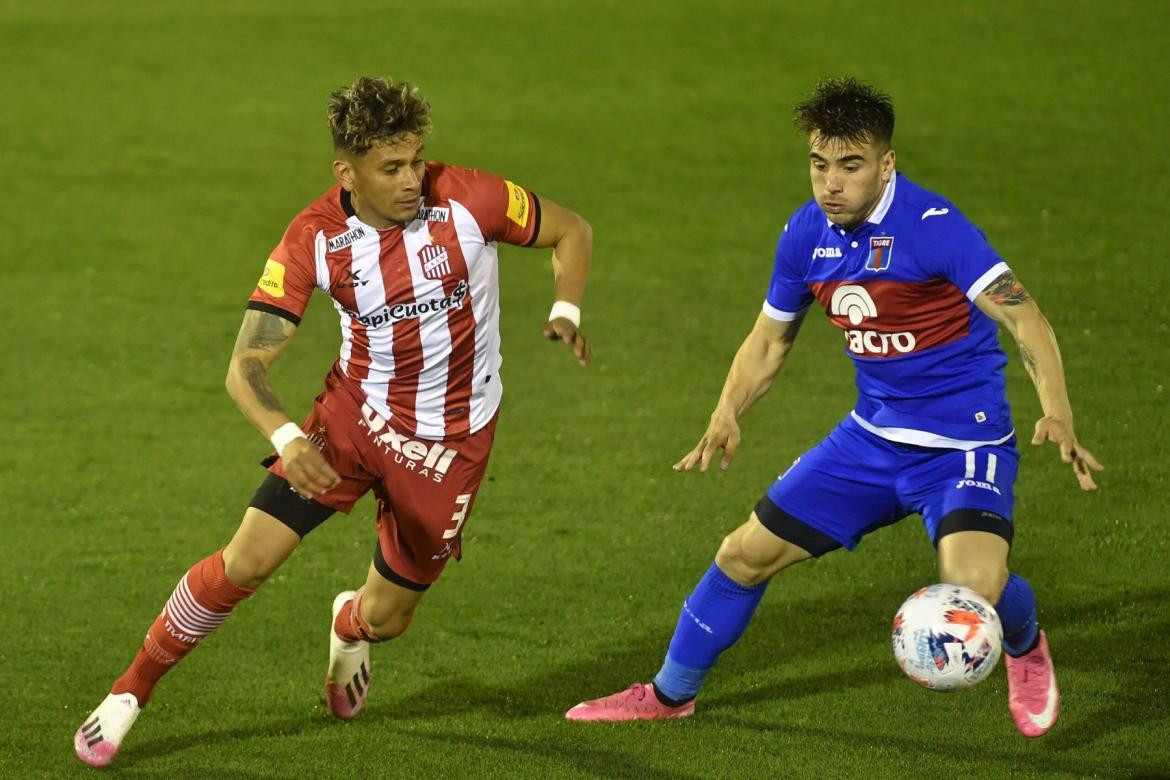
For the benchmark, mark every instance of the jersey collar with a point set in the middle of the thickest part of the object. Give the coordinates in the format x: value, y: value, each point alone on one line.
x: 347, y: 203
x: 887, y: 200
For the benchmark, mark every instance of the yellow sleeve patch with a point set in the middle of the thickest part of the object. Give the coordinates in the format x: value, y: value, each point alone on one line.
x: 517, y: 203
x: 272, y: 280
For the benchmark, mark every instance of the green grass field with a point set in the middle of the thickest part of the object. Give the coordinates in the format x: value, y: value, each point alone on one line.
x: 152, y: 154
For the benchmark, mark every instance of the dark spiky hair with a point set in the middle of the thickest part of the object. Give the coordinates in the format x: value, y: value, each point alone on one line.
x: 845, y: 109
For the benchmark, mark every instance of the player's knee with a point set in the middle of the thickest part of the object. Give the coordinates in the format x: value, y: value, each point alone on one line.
x: 985, y: 579
x: 257, y: 549
x: 741, y: 563
x: 248, y: 567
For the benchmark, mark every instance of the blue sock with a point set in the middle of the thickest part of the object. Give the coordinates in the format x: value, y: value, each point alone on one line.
x: 713, y: 617
x: 1017, y: 615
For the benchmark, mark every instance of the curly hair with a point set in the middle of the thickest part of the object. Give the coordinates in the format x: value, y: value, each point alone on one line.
x: 375, y: 109
x: 845, y: 109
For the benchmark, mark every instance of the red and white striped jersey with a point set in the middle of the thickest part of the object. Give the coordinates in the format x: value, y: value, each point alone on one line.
x: 419, y: 303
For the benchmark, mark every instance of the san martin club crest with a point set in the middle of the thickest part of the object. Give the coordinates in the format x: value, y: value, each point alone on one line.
x: 881, y: 249
x: 435, y: 262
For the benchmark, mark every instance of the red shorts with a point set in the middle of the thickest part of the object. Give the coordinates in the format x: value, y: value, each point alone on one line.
x: 425, y: 489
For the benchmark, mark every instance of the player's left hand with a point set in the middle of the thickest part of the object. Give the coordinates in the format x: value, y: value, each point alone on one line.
x: 1060, y: 432
x: 561, y: 329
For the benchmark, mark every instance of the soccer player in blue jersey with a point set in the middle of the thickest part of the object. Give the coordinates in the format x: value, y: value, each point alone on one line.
x: 919, y: 293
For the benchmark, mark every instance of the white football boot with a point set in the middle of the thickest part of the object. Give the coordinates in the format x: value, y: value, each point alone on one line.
x: 348, y: 678
x: 100, y: 736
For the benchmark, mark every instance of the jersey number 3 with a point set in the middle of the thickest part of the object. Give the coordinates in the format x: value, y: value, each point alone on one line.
x: 461, y: 502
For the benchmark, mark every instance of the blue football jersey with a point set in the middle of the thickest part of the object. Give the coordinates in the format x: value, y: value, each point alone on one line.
x: 901, y: 286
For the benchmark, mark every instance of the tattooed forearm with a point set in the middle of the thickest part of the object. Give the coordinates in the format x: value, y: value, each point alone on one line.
x: 1006, y: 290
x: 257, y: 378
x: 1029, y: 361
x: 262, y: 330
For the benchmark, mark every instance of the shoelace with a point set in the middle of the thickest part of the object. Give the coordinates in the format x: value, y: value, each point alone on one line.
x: 637, y: 692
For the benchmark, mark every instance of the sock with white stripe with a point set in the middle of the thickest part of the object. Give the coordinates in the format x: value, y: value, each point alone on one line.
x: 199, y: 604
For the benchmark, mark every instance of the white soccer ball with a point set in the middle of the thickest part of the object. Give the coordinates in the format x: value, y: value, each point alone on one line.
x: 947, y: 637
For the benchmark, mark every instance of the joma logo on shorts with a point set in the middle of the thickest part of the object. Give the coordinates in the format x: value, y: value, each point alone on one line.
x: 429, y: 459
x: 962, y: 483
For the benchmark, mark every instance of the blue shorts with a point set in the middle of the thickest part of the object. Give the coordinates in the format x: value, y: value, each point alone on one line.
x: 854, y: 482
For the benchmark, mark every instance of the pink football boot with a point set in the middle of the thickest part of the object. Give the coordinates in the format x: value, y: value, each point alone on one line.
x: 637, y: 702
x: 1032, y: 694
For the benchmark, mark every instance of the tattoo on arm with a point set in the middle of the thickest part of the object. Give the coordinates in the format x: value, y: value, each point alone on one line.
x: 257, y: 378
x: 262, y: 330
x: 261, y: 338
x: 1006, y: 290
x: 1029, y: 361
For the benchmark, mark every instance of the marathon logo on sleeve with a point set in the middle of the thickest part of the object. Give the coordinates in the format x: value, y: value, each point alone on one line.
x: 346, y: 238
x: 517, y: 203
x: 427, y: 459
x: 272, y: 280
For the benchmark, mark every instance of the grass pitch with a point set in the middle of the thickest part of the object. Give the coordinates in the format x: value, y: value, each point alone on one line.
x: 153, y: 154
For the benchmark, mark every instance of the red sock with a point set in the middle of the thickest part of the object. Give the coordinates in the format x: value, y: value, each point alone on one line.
x: 350, y: 625
x: 199, y: 604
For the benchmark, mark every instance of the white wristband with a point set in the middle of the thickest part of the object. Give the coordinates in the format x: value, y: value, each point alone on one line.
x: 570, y: 311
x: 284, y: 434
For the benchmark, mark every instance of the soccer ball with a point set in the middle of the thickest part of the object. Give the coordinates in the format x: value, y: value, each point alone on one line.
x: 946, y: 637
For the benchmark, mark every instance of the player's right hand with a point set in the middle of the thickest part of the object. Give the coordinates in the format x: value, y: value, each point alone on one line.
x: 306, y: 469
x: 1060, y: 432
x: 722, y: 434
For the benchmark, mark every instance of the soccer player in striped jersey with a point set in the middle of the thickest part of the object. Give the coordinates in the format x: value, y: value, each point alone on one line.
x: 919, y: 293
x: 407, y: 251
